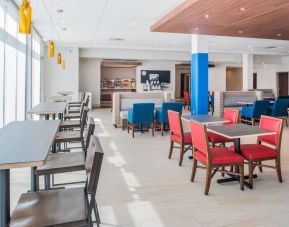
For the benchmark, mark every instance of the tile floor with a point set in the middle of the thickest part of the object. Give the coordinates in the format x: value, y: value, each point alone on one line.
x: 140, y: 187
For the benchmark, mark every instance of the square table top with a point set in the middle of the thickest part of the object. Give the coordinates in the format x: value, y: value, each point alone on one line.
x: 236, y: 131
x: 65, y: 93
x: 59, y: 98
x: 205, y: 119
x: 26, y: 143
x: 48, y: 108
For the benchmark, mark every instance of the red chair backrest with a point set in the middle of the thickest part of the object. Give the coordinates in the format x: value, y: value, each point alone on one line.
x: 275, y: 125
x: 232, y: 115
x: 186, y: 96
x: 175, y: 122
x: 199, y: 137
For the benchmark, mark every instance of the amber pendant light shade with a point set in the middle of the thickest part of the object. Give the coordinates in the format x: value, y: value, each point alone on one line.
x: 25, y: 13
x: 59, y: 59
x: 51, y: 49
x: 63, y: 64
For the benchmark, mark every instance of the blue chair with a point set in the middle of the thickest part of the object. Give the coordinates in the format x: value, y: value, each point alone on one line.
x: 279, y: 109
x: 161, y: 116
x: 141, y: 114
x: 250, y: 114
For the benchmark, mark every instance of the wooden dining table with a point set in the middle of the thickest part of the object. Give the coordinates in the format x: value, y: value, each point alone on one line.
x: 236, y: 132
x: 49, y: 108
x: 23, y: 144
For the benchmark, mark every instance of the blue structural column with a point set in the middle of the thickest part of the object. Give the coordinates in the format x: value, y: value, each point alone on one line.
x: 199, y: 76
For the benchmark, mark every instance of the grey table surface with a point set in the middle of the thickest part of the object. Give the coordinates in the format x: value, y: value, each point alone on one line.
x: 205, y: 119
x: 48, y: 108
x: 26, y: 143
x: 65, y: 93
x: 59, y: 98
x: 236, y: 131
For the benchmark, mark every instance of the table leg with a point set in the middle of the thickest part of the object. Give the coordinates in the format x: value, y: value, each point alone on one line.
x: 4, y: 197
x: 46, y: 116
x: 53, y: 116
x: 237, y: 145
x: 59, y: 116
x: 33, y: 180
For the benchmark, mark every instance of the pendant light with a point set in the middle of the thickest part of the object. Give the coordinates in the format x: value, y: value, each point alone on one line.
x: 59, y: 58
x: 25, y: 17
x: 63, y: 64
x: 51, y: 46
x: 51, y: 49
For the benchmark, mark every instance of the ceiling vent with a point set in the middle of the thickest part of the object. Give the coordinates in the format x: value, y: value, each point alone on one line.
x: 116, y: 39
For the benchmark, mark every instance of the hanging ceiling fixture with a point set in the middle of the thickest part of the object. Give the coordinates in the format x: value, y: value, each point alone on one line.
x: 25, y: 17
x: 51, y: 49
x: 63, y: 64
x: 59, y: 58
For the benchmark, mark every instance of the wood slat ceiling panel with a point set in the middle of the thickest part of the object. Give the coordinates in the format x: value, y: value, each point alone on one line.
x: 261, y: 19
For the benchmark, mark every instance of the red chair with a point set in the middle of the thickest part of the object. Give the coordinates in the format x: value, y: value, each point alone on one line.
x: 212, y: 158
x: 256, y: 153
x: 187, y: 100
x: 232, y: 115
x: 178, y: 135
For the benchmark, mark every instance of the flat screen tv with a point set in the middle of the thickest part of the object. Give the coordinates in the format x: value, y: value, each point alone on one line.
x: 164, y: 76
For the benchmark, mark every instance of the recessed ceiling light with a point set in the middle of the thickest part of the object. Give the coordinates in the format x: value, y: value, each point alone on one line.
x: 207, y: 16
x: 279, y: 34
x: 240, y: 32
x: 242, y: 9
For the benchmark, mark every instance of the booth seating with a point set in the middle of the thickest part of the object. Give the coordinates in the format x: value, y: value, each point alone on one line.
x: 123, y: 101
x: 231, y: 99
x: 268, y: 94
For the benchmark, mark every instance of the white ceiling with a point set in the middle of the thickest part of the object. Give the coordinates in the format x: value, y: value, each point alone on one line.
x: 92, y: 23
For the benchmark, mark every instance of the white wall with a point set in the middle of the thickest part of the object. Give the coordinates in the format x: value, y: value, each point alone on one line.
x: 58, y: 79
x: 89, y: 78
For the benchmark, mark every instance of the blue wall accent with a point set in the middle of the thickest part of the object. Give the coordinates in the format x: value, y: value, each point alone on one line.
x: 199, y: 84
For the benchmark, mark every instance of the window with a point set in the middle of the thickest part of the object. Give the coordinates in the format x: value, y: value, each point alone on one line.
x: 11, y: 25
x: 2, y: 17
x: 21, y: 68
x: 10, y: 84
x: 16, y: 61
x: 1, y: 83
x: 36, y: 72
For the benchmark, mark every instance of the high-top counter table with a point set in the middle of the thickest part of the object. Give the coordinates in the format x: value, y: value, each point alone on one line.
x: 49, y: 108
x: 23, y: 144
